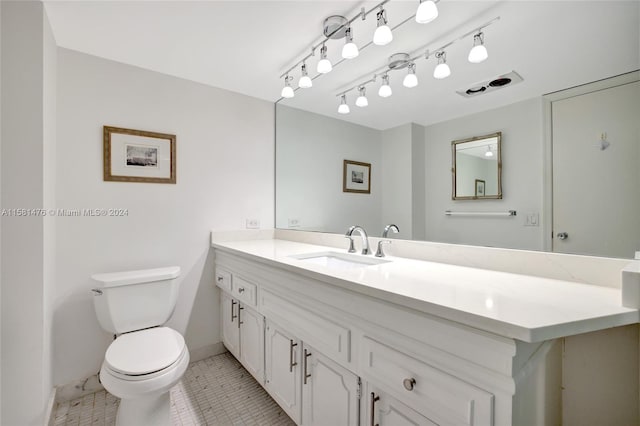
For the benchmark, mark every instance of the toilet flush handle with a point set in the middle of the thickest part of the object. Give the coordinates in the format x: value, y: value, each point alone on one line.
x: 96, y: 291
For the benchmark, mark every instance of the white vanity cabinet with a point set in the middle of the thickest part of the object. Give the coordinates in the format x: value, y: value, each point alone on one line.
x: 243, y: 328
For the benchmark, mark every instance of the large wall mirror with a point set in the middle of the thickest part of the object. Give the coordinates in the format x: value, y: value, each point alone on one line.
x: 477, y: 167
x: 554, y: 172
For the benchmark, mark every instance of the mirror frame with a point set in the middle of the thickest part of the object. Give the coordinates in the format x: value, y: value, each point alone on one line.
x: 497, y: 135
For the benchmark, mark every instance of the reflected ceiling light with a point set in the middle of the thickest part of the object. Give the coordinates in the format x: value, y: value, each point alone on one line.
x: 287, y: 90
x: 350, y: 50
x: 410, y: 80
x: 305, y: 81
x: 343, y: 108
x: 427, y: 12
x: 385, y: 89
x: 383, y: 33
x: 442, y: 69
x: 324, y: 65
x: 489, y: 153
x: 362, y: 98
x: 478, y: 52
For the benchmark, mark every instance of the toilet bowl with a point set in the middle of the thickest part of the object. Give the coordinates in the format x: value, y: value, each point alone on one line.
x: 146, y: 359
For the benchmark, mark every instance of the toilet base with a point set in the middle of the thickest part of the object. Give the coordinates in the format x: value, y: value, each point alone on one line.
x: 145, y: 411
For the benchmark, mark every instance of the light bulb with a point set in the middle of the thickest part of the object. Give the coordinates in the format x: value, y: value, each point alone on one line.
x: 383, y: 33
x: 343, y: 108
x: 427, y: 12
x: 324, y: 65
x: 442, y: 69
x: 410, y: 80
x: 350, y: 50
x: 362, y: 100
x: 489, y: 153
x: 385, y: 89
x: 478, y: 52
x: 305, y: 81
x: 287, y: 91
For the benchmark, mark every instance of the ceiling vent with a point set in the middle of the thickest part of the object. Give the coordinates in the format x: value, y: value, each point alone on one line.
x: 491, y: 85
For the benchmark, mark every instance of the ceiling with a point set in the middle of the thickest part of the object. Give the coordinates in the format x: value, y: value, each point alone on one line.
x: 244, y: 47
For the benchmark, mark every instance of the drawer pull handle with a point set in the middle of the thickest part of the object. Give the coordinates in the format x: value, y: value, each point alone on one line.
x: 240, y: 308
x: 233, y: 303
x: 306, y: 375
x: 241, y: 290
x: 292, y: 363
x: 372, y: 416
x: 409, y: 384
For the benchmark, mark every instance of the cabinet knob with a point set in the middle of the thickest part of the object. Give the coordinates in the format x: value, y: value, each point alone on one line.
x: 409, y: 383
x: 220, y: 278
x: 241, y: 290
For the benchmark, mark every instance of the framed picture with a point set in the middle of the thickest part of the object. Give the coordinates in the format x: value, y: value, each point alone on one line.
x: 138, y: 156
x: 356, y: 177
x: 479, y: 188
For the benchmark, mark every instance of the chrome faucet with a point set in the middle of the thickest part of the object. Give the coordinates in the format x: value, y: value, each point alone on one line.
x: 363, y: 234
x: 390, y: 227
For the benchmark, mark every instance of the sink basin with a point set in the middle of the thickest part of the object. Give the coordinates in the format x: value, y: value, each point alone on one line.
x: 337, y: 260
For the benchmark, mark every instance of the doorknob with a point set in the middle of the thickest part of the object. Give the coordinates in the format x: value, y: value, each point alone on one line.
x: 562, y: 235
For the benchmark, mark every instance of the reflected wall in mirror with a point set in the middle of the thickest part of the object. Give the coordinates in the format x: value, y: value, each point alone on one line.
x: 477, y: 167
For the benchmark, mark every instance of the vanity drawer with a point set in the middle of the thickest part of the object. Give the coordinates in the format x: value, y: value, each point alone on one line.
x: 327, y: 336
x: 437, y: 395
x: 223, y: 279
x: 244, y: 291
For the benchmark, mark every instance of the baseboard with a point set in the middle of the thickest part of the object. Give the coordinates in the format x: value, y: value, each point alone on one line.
x: 207, y: 351
x: 49, y: 419
x: 78, y: 388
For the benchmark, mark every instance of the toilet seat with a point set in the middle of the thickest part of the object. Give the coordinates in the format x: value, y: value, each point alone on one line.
x: 140, y: 355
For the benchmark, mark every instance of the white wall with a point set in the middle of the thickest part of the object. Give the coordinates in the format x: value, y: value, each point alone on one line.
x: 522, y: 165
x: 225, y: 172
x: 418, y: 181
x: 396, y: 180
x: 310, y: 154
x: 28, y: 114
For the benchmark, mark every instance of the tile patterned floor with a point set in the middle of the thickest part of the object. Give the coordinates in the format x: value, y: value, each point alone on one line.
x: 215, y: 391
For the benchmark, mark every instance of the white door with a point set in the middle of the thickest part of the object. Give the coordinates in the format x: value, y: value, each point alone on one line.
x: 230, y: 325
x: 252, y: 342
x: 596, y: 192
x: 330, y: 393
x: 282, y: 369
x: 388, y: 411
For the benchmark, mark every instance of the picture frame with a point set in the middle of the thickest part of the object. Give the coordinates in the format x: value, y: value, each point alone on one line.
x: 138, y: 156
x: 356, y: 177
x: 480, y: 188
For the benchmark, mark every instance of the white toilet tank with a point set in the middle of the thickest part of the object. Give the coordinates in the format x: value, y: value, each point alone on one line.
x: 134, y: 300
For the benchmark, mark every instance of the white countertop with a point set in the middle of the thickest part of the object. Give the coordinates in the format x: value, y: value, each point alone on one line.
x: 522, y: 307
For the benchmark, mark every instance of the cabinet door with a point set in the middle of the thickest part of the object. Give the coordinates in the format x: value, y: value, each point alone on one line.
x: 252, y: 342
x: 230, y: 324
x: 330, y: 393
x: 282, y: 369
x: 388, y: 411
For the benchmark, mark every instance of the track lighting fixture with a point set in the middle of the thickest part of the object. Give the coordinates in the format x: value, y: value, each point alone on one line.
x: 305, y: 81
x: 385, y: 89
x: 427, y: 12
x: 362, y: 98
x: 343, y: 108
x: 350, y: 50
x: 287, y: 90
x: 410, y: 80
x: 383, y: 34
x: 489, y: 153
x: 478, y: 52
x: 442, y: 69
x: 324, y: 65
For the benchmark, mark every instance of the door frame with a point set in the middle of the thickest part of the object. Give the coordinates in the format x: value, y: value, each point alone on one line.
x: 547, y: 150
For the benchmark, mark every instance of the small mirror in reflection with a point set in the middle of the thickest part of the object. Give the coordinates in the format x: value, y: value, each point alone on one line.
x: 477, y: 168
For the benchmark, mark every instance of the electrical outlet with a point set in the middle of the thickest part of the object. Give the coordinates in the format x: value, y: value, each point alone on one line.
x: 294, y: 223
x: 253, y: 224
x: 532, y: 219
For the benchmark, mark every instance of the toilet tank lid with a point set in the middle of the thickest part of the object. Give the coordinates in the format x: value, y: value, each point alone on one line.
x: 114, y: 279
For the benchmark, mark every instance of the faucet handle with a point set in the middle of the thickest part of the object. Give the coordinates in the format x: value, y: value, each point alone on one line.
x: 352, y: 248
x: 380, y: 252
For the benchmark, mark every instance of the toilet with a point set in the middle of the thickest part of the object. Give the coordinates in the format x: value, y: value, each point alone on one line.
x: 146, y: 359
